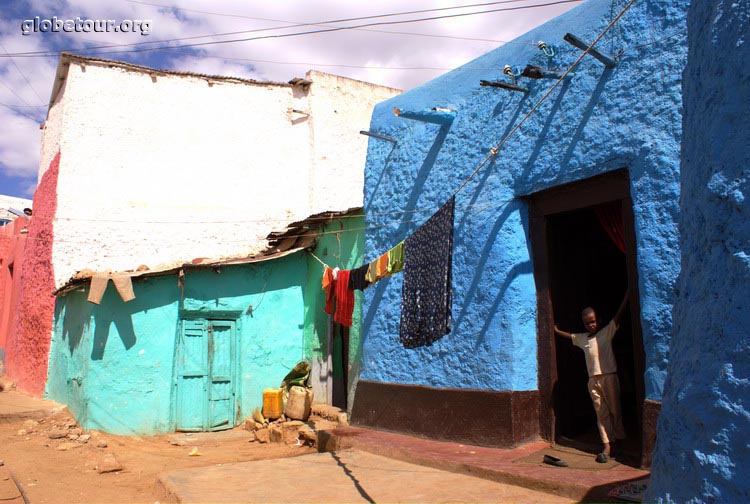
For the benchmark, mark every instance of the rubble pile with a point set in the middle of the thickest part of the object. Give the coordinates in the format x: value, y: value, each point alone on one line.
x: 296, y: 432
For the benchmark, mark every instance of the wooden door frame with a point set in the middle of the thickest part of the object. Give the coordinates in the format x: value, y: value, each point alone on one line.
x: 611, y: 186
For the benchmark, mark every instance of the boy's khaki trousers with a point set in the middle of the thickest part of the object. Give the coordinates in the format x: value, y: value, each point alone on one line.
x: 605, y: 393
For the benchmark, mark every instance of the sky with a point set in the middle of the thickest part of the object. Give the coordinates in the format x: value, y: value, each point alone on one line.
x: 394, y: 50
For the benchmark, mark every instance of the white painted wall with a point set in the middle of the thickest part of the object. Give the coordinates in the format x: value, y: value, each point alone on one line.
x: 161, y: 170
x: 340, y: 109
x: 14, y: 202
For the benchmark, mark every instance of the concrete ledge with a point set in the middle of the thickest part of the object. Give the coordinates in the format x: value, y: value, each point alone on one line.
x: 16, y: 406
x: 494, y: 464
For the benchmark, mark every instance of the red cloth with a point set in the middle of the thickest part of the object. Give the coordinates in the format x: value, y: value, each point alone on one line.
x: 329, y: 285
x: 344, y: 299
x: 610, y: 217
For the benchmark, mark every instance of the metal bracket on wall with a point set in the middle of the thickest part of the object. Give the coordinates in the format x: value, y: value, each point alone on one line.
x: 378, y: 135
x: 608, y: 60
x: 435, y: 115
x: 504, y: 85
x: 532, y: 72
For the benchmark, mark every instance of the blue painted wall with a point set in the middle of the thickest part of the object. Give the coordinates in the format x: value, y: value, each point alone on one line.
x: 113, y: 363
x: 703, y: 442
x: 601, y: 120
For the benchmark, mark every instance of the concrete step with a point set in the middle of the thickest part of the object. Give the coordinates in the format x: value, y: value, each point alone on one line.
x: 495, y: 464
x: 15, y: 406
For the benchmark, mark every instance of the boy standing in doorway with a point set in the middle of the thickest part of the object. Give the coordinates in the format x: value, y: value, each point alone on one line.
x: 603, y: 385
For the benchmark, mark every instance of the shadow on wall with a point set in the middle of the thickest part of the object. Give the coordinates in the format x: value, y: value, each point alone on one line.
x: 405, y: 224
x: 542, y: 138
x: 78, y: 315
x: 217, y: 284
x: 386, y: 163
x: 419, y: 181
x: 523, y: 179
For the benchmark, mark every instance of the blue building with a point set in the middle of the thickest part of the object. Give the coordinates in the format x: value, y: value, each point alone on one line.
x: 703, y: 449
x: 566, y: 193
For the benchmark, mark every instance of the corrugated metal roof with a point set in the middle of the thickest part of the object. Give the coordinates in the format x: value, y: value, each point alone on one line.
x: 297, y: 236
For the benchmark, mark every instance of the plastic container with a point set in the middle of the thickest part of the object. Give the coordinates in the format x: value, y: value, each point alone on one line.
x: 273, y: 403
x: 299, y: 403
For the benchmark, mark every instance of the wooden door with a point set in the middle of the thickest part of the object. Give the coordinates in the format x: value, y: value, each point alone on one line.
x: 204, y: 372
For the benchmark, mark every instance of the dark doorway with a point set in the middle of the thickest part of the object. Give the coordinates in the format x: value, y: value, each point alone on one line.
x: 576, y: 264
x: 340, y: 366
x: 587, y: 269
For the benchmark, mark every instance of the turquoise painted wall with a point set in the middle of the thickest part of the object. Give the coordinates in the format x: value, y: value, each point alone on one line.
x: 341, y: 245
x: 113, y: 363
x: 271, y: 327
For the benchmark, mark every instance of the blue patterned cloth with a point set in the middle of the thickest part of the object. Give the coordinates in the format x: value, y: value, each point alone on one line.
x: 426, y: 295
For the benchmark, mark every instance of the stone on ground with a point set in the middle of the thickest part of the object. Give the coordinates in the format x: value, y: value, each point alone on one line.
x: 108, y: 463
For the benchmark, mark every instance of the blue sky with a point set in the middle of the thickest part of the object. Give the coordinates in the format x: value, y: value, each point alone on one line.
x: 397, y: 55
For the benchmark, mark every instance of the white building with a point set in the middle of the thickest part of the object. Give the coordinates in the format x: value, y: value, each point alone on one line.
x: 161, y: 167
x: 12, y: 202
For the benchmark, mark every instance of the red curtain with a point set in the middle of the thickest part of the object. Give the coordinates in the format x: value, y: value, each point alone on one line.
x: 610, y: 217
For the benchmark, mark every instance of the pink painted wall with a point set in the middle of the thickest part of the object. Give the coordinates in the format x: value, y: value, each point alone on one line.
x: 12, y: 244
x: 28, y: 341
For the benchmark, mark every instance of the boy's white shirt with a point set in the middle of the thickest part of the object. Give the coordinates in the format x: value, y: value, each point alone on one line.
x: 598, y: 349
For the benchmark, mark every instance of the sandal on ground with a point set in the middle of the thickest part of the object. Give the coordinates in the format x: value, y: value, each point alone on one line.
x: 602, y: 458
x: 549, y: 459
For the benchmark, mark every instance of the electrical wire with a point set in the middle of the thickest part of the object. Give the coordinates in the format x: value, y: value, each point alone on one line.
x: 19, y: 112
x: 22, y: 74
x: 479, y: 207
x: 295, y: 34
x: 265, y: 220
x: 293, y: 24
x: 494, y: 150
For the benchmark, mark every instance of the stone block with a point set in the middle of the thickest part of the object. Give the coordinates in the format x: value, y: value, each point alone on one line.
x: 68, y: 446
x: 263, y: 435
x: 6, y: 384
x: 57, y: 434
x: 286, y: 432
x: 30, y: 425
x: 326, y: 411
x: 108, y: 463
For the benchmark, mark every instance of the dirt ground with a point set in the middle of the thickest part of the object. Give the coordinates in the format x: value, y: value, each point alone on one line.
x: 64, y: 470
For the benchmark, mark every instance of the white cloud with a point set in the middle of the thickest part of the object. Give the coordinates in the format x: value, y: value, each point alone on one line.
x: 361, y: 54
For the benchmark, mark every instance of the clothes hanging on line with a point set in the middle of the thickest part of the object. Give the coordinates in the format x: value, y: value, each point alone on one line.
x: 427, y: 290
x: 122, y: 281
x: 344, y: 299
x: 396, y: 259
x: 381, y: 269
x: 357, y: 278
x: 329, y: 285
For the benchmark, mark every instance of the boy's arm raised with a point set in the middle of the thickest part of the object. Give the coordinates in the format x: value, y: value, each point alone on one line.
x: 621, y: 309
x: 563, y: 333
